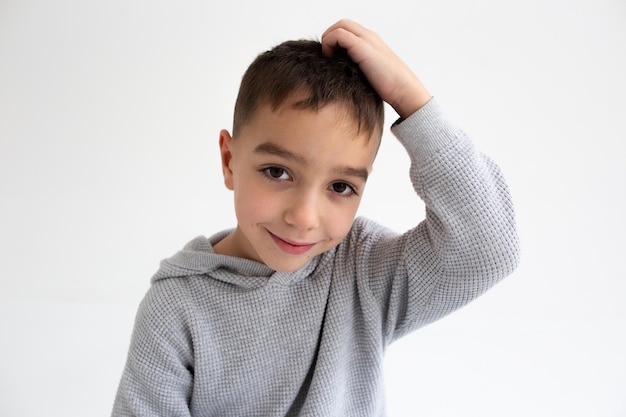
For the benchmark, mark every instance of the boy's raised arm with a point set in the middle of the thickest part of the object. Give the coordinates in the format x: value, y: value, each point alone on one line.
x: 387, y: 73
x: 468, y: 241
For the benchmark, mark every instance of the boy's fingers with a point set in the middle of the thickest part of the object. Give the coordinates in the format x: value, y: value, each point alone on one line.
x: 386, y: 72
x: 345, y: 33
x: 338, y: 37
x: 346, y: 24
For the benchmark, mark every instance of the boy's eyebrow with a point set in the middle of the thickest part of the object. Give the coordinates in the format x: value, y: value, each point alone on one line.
x: 274, y: 149
x: 353, y: 172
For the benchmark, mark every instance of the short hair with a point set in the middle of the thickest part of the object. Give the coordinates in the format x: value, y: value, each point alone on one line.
x: 300, y: 67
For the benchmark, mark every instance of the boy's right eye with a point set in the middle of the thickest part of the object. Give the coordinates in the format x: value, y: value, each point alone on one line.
x: 276, y: 173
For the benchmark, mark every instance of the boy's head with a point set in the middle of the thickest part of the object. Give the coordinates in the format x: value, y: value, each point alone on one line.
x: 299, y: 68
x: 306, y: 132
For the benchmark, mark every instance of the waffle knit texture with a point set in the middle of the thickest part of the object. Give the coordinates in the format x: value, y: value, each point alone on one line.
x: 224, y: 336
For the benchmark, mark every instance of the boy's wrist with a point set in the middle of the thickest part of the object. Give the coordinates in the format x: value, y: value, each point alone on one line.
x: 411, y: 100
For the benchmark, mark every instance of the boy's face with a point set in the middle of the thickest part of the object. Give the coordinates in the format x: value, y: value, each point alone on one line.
x: 298, y: 177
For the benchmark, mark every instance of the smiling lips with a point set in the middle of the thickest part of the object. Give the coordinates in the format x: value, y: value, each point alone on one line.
x: 291, y: 248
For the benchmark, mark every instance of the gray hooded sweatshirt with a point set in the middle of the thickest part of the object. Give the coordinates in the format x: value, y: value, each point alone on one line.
x: 224, y: 336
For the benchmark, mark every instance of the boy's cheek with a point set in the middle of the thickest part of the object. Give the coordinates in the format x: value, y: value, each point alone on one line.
x: 342, y: 225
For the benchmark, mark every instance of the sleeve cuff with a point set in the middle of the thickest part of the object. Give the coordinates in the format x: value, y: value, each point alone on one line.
x: 426, y: 132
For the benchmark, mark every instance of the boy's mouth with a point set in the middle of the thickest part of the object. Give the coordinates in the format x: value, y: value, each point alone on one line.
x: 289, y: 247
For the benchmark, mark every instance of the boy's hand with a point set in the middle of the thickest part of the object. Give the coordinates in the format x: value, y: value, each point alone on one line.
x: 391, y: 78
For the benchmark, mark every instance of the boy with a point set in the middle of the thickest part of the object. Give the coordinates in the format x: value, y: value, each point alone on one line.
x: 290, y: 313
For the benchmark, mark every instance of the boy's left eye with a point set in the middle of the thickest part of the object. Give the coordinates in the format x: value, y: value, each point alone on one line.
x: 342, y: 188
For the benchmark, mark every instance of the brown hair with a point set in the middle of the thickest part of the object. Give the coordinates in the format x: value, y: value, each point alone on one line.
x: 300, y: 66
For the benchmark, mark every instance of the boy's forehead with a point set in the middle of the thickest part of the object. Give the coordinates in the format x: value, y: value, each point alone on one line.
x: 346, y: 118
x: 288, y: 131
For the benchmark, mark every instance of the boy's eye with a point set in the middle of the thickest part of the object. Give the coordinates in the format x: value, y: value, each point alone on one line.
x: 276, y: 173
x: 342, y: 188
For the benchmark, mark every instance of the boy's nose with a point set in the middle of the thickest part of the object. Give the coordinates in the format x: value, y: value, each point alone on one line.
x: 303, y: 212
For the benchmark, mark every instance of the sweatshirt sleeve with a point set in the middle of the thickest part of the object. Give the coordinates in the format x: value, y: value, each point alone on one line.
x: 157, y: 379
x: 466, y: 243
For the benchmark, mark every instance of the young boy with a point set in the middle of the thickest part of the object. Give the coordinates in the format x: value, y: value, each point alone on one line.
x: 291, y: 312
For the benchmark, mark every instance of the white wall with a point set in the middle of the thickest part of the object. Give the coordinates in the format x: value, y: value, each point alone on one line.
x: 109, y: 115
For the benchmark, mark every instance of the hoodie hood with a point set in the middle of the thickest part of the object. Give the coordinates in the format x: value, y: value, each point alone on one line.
x: 198, y: 258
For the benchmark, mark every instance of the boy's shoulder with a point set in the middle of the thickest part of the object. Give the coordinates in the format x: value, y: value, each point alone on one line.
x: 363, y: 235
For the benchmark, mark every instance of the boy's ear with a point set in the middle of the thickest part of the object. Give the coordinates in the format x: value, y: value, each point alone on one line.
x: 227, y: 156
